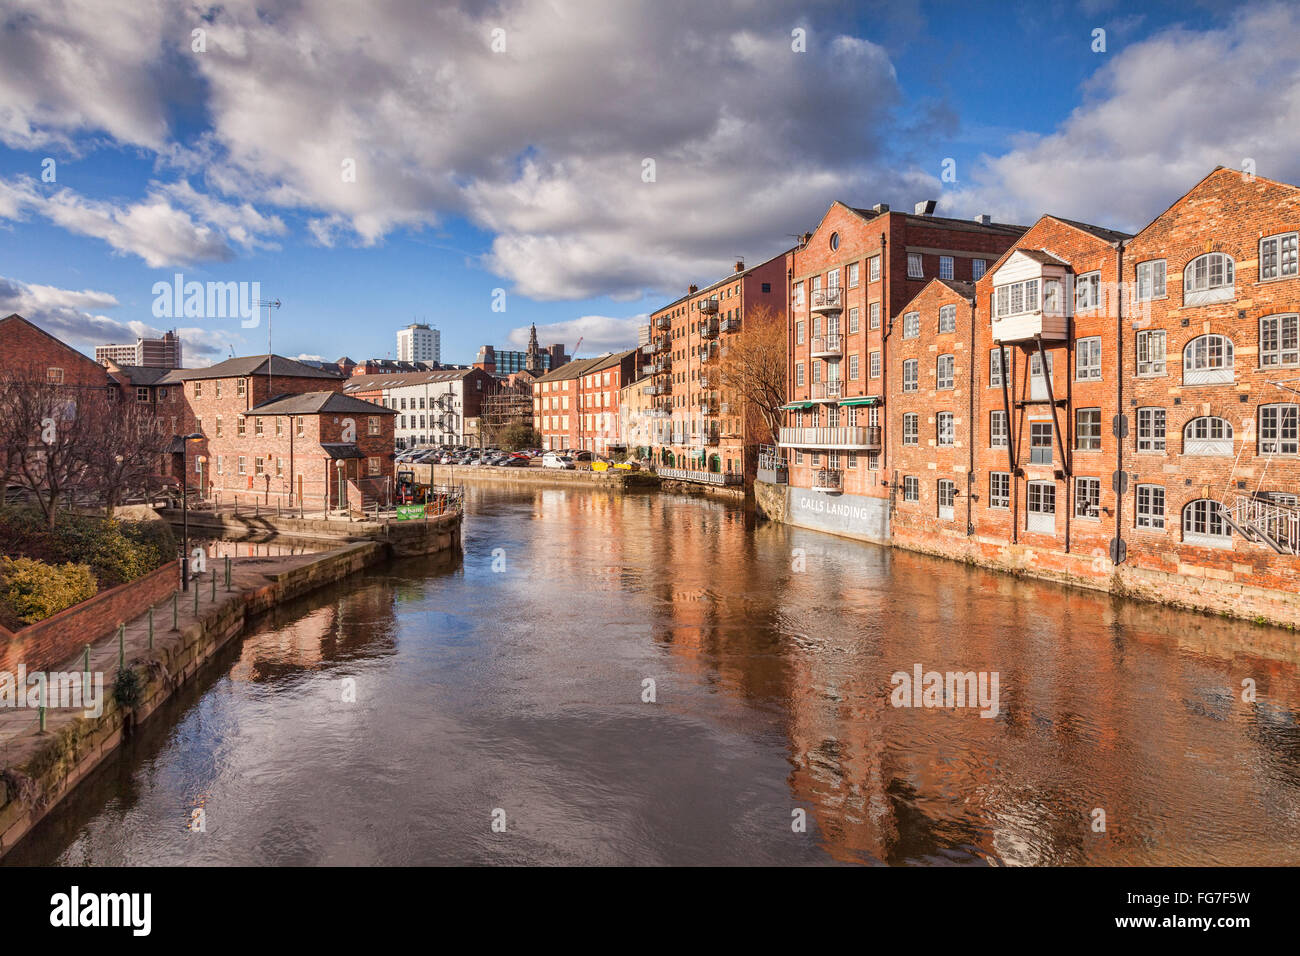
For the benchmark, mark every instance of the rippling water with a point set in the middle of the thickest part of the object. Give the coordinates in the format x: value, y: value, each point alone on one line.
x: 513, y: 682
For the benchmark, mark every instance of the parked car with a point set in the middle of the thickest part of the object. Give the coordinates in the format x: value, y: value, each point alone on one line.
x: 515, y: 461
x: 554, y: 460
x: 581, y: 456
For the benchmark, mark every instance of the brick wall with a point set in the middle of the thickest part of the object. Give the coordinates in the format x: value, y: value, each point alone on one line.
x: 53, y: 642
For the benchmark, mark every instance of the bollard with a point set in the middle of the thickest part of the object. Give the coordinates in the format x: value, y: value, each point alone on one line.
x: 175, y: 623
x: 196, y: 602
x: 85, y: 662
x: 150, y: 627
x: 121, y: 645
x: 214, y: 585
x: 41, y: 711
x: 227, y: 572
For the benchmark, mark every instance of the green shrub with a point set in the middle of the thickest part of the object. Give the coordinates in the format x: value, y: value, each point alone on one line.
x: 117, y: 551
x: 33, y: 590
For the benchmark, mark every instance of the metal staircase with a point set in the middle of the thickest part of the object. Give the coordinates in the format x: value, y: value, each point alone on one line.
x: 1265, y: 521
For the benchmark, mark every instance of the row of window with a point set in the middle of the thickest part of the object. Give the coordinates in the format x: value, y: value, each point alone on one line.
x: 260, y: 465
x: 1203, y: 521
x: 1209, y: 435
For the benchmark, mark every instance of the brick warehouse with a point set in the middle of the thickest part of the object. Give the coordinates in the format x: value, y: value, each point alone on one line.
x: 1145, y: 437
x: 256, y: 444
x: 851, y: 276
x: 576, y: 406
x: 705, y: 434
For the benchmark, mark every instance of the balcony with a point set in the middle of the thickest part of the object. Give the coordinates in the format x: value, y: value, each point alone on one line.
x: 710, y: 436
x: 826, y: 480
x: 709, y: 306
x: 648, y: 350
x: 708, y: 409
x: 827, y: 301
x: 660, y: 412
x: 663, y: 323
x: 829, y: 346
x: 710, y: 379
x: 648, y: 368
x: 662, y: 344
x: 707, y: 353
x: 661, y: 389
x: 709, y: 329
x: 839, y: 438
x: 730, y: 325
x: 662, y: 364
x: 724, y: 408
x: 827, y: 391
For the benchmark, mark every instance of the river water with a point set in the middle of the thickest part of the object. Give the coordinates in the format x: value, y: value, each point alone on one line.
x: 510, y: 686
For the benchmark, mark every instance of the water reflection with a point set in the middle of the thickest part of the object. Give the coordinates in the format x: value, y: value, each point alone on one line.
x: 515, y: 680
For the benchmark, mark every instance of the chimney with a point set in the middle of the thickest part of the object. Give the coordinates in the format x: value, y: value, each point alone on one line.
x: 984, y: 219
x: 880, y: 208
x: 692, y: 289
x: 740, y: 265
x: 925, y: 207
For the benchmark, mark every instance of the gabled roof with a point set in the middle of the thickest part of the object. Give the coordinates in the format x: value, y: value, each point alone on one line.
x: 319, y: 403
x: 140, y: 374
x: 15, y: 317
x: 580, y: 367
x: 1039, y: 256
x: 242, y: 367
x: 1101, y: 232
x: 964, y: 289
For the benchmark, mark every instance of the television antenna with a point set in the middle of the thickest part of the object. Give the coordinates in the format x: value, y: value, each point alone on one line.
x: 268, y: 304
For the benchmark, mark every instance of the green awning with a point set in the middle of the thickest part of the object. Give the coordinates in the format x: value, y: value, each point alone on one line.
x: 862, y: 400
x: 796, y: 406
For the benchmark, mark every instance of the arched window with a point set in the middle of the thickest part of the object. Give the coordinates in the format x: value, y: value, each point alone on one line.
x: 1203, y: 524
x: 1207, y: 360
x: 1208, y: 278
x: 1207, y: 436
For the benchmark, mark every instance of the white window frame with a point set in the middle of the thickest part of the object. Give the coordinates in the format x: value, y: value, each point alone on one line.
x: 945, y: 267
x: 1208, y: 435
x: 1279, y: 340
x: 978, y: 267
x: 1087, y: 359
x: 945, y: 372
x: 1087, y: 292
x: 911, y: 428
x: 1149, y: 507
x: 911, y: 325
x: 1000, y: 498
x: 915, y: 266
x: 1210, y: 277
x: 1279, y: 429
x: 1204, y: 524
x: 1087, y: 498
x: 1279, y: 256
x: 1151, y: 276
x: 911, y: 375
x: 945, y: 430
x: 911, y: 488
x: 1039, y: 495
x: 1148, y: 365
x: 947, y: 318
x: 946, y: 496
x: 999, y: 435
x: 1209, y: 360
x: 1148, y: 417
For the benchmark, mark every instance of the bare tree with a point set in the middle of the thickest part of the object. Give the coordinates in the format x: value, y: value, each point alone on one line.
x: 44, y: 438
x: 752, y: 369
x: 126, y: 456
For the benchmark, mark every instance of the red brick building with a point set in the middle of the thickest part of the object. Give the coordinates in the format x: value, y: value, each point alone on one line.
x: 31, y: 352
x: 706, y: 434
x: 850, y: 279
x: 254, y: 443
x: 576, y: 406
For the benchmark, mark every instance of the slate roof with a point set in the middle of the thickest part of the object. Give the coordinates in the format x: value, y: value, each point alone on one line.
x: 319, y: 403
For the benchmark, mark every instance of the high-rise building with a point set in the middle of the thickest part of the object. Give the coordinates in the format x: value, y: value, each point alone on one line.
x: 419, y: 343
x: 147, y: 353
x: 536, y: 359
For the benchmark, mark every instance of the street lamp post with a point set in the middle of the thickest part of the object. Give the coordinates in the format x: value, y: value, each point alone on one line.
x: 185, y: 511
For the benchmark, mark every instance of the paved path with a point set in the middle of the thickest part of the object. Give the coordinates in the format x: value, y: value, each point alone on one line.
x: 20, y: 726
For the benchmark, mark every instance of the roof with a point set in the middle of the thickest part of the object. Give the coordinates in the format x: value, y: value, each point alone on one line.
x: 1101, y: 232
x: 319, y: 403
x: 963, y: 288
x: 1038, y: 255
x: 377, y: 380
x: 580, y: 367
x: 276, y: 365
x: 729, y: 277
x: 140, y: 374
x: 339, y: 450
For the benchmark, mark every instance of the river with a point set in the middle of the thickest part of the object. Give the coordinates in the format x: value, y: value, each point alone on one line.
x: 511, y: 687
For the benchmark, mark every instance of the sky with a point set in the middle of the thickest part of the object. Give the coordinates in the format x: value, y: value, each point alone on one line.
x: 482, y: 166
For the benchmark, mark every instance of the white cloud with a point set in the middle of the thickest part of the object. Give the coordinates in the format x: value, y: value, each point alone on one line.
x: 71, y: 315
x: 599, y: 334
x: 1160, y: 115
x: 173, y: 225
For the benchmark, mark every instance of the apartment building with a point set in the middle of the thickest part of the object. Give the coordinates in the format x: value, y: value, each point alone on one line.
x: 165, y: 352
x: 419, y: 342
x: 850, y: 279
x: 1109, y: 410
x: 433, y: 408
x: 576, y: 406
x: 710, y: 436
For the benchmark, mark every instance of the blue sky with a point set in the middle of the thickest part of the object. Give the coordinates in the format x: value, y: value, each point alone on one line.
x: 520, y: 168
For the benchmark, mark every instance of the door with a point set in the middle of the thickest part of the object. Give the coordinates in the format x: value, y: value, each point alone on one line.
x: 1038, y: 390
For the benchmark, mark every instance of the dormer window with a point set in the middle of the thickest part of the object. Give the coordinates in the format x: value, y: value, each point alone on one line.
x: 1209, y: 278
x: 1016, y: 298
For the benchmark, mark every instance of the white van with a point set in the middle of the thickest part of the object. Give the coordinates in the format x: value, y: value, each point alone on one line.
x: 552, y: 460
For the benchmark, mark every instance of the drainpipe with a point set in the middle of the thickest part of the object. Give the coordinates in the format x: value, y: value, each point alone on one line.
x: 886, y: 327
x: 1118, y: 549
x: 970, y: 425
